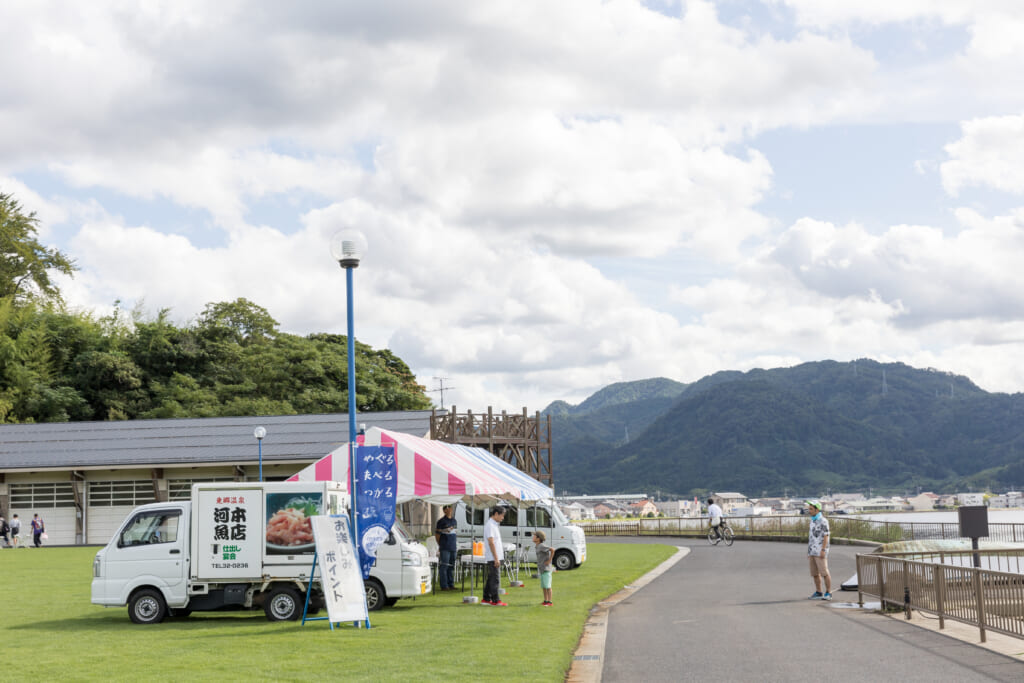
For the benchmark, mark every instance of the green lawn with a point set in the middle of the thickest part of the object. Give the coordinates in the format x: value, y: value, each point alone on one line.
x: 50, y: 631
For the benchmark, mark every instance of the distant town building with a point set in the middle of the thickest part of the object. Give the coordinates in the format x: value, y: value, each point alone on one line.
x: 643, y: 508
x: 609, y: 508
x: 675, y: 508
x: 670, y: 508
x: 791, y: 506
x: 840, y: 498
x: 577, y: 510
x: 729, y: 501
x: 923, y: 501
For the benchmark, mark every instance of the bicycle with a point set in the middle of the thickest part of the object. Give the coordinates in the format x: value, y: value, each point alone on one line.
x: 725, y: 534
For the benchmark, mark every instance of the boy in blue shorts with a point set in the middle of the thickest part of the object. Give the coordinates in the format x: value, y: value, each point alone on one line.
x: 544, y: 567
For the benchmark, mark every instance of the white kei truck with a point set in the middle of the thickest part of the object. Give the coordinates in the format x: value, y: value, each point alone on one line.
x: 240, y: 546
x: 568, y: 540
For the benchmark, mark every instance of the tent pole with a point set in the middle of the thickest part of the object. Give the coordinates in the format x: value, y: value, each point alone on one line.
x: 519, y: 533
x: 472, y: 552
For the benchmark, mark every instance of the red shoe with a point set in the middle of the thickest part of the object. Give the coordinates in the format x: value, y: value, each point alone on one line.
x: 546, y: 604
x: 499, y: 603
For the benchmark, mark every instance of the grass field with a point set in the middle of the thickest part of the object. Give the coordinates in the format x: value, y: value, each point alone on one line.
x: 50, y: 631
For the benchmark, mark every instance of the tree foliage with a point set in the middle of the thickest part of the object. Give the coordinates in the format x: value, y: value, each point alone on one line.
x: 25, y: 264
x: 233, y: 360
x: 60, y: 366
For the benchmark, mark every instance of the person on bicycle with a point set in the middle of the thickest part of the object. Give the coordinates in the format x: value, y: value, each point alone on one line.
x: 717, y: 518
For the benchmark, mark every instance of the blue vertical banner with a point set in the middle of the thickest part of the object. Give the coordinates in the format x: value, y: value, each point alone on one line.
x: 376, y: 492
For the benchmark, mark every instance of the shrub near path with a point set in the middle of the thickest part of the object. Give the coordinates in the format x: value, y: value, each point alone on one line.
x: 50, y: 630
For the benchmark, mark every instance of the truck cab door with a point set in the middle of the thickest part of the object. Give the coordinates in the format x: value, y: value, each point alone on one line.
x: 152, y: 546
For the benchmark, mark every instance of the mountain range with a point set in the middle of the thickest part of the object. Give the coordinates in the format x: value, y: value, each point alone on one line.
x: 811, y: 428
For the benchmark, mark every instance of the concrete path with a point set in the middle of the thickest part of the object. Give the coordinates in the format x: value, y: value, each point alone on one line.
x: 741, y: 614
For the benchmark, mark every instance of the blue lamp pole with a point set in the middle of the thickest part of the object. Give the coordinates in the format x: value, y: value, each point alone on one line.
x: 346, y: 247
x: 259, y: 433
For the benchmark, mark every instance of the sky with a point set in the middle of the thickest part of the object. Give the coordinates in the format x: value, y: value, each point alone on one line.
x: 555, y: 196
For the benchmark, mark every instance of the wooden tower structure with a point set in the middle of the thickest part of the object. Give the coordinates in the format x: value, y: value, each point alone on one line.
x: 520, y: 440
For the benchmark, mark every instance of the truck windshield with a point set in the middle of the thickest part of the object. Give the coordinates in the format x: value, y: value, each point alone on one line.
x: 559, y: 516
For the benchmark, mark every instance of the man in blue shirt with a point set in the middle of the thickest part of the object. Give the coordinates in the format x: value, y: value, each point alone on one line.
x: 447, y: 548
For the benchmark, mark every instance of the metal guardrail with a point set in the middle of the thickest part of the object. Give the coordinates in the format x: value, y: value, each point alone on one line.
x: 945, y: 584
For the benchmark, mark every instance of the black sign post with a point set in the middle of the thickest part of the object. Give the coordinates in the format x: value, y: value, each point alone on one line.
x: 973, y: 525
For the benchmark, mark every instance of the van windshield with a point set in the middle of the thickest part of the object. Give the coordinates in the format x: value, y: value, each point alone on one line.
x: 559, y: 516
x: 400, y: 531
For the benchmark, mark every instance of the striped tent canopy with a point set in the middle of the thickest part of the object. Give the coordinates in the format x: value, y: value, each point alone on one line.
x: 529, y: 488
x: 435, y: 471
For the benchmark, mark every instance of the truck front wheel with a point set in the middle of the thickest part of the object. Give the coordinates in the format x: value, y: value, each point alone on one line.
x: 147, y: 606
x: 376, y: 598
x: 282, y: 604
x: 564, y: 561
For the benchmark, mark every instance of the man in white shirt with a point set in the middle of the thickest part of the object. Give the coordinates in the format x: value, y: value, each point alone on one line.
x: 715, y: 513
x: 494, y: 553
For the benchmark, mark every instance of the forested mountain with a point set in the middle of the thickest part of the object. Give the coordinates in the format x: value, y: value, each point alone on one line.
x: 607, y: 419
x: 808, y: 428
x: 619, y: 394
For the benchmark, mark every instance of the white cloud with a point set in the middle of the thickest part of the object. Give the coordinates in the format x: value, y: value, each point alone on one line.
x: 988, y: 154
x: 929, y: 276
x: 509, y: 161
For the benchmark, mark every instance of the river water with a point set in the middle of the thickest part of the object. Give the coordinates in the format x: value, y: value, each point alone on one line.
x: 951, y: 516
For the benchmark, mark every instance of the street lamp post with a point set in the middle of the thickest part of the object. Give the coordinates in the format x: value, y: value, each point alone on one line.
x: 347, y: 247
x: 259, y: 433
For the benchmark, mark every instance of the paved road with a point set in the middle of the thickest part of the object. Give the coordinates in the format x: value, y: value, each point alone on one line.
x: 742, y: 614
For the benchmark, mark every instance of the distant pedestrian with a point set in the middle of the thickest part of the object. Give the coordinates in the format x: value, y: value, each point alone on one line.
x: 817, y: 551
x: 544, y: 568
x: 15, y: 530
x: 37, y: 530
x: 5, y: 530
x: 494, y: 553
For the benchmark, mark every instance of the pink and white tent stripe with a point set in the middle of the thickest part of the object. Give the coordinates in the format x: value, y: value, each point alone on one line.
x: 429, y: 470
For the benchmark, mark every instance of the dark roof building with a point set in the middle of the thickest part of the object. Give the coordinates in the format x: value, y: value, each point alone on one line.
x: 84, y: 477
x: 290, y: 439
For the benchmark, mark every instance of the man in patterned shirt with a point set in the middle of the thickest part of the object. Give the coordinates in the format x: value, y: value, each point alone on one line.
x: 817, y: 551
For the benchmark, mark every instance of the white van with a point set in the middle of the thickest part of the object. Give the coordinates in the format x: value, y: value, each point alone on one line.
x: 214, y: 552
x: 568, y: 540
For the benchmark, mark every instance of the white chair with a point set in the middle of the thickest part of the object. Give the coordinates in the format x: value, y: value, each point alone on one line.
x: 432, y: 557
x: 521, y: 561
